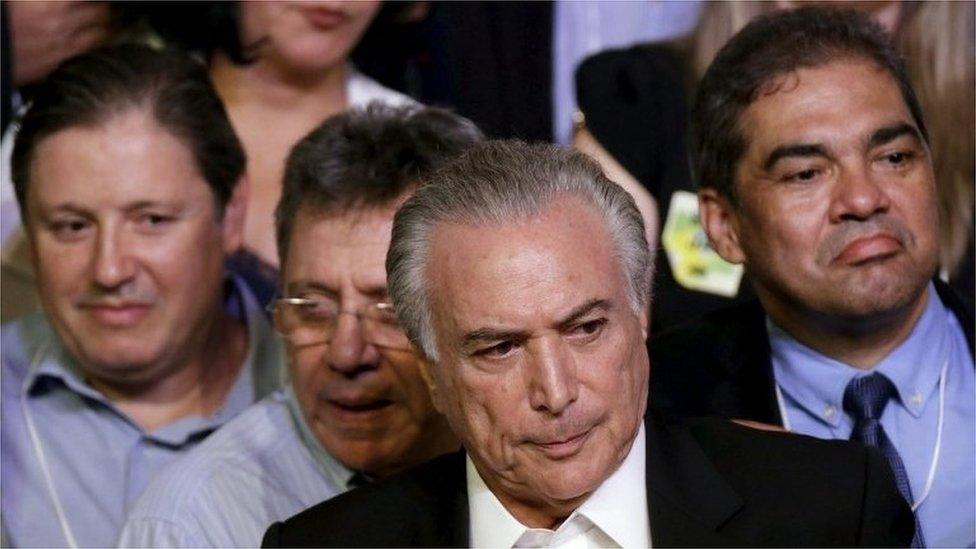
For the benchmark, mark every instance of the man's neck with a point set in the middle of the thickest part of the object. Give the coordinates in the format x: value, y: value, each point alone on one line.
x: 859, y: 342
x: 534, y: 513
x: 196, y: 385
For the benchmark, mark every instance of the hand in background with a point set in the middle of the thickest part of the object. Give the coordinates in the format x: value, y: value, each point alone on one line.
x: 46, y: 33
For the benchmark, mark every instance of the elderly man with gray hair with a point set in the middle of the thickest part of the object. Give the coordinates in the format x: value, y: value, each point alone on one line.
x: 522, y: 274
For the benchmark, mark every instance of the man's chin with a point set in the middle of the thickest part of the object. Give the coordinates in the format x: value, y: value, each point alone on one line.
x: 125, y: 365
x: 880, y: 293
x: 570, y: 480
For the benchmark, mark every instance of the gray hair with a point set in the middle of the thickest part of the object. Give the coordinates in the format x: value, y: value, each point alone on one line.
x: 497, y: 182
x: 367, y: 158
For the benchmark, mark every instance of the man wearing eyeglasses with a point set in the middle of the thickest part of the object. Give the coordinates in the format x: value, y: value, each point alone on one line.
x: 356, y: 407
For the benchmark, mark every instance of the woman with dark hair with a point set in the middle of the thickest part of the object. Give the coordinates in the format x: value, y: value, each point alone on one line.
x: 281, y: 69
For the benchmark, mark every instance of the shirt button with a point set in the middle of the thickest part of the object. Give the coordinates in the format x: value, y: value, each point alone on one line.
x: 916, y: 399
x: 829, y: 412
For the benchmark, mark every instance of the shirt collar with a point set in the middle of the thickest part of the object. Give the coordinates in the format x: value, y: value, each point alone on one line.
x: 491, y: 524
x: 817, y: 382
x: 333, y: 468
x: 618, y: 507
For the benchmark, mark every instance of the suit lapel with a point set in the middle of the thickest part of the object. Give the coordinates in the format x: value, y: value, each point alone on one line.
x: 742, y: 348
x: 962, y: 310
x: 440, y: 508
x: 460, y: 531
x: 688, y: 499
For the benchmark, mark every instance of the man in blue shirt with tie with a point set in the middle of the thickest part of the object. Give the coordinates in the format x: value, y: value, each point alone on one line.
x: 816, y: 174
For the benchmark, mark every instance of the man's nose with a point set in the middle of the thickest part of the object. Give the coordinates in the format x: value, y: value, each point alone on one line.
x: 348, y: 351
x: 858, y: 195
x: 553, y: 383
x: 114, y: 261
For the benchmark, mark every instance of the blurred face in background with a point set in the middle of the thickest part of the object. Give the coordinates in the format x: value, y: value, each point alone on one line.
x: 305, y: 36
x: 128, y: 245
x: 364, y: 400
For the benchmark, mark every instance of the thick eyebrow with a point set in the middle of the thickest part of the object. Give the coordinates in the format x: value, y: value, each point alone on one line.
x: 70, y: 207
x: 133, y: 206
x: 493, y: 334
x: 583, y: 310
x: 888, y: 134
x: 482, y: 335
x: 299, y: 286
x: 799, y: 149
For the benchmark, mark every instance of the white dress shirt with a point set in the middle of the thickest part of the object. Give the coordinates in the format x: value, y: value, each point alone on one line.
x: 615, y: 514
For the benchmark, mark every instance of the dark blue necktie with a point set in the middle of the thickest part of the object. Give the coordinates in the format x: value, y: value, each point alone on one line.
x: 358, y: 480
x: 865, y: 399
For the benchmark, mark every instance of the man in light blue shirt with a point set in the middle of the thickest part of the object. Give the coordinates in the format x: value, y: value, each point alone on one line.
x: 930, y: 420
x: 816, y: 174
x: 131, y: 184
x: 356, y: 406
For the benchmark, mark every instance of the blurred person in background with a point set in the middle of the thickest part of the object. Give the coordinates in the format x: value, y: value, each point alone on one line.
x: 36, y: 38
x: 281, y: 68
x: 508, y: 66
x: 817, y: 176
x: 132, y: 186
x: 634, y: 120
x: 938, y: 43
x: 355, y: 408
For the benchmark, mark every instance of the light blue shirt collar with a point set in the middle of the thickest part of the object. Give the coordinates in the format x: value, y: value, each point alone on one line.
x: 339, y: 473
x: 817, y: 382
x: 56, y: 362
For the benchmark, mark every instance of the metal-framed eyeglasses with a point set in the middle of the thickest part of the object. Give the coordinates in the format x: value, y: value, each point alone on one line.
x: 313, y: 320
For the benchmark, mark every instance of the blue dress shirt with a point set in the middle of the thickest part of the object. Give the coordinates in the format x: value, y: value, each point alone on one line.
x: 812, y: 387
x: 262, y: 467
x: 98, y: 460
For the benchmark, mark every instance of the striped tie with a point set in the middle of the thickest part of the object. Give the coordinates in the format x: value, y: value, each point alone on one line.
x: 865, y: 399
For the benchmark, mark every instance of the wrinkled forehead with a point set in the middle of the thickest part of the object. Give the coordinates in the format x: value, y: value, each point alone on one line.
x: 781, y: 84
x: 334, y: 249
x: 822, y: 110
x: 525, y: 270
x: 125, y: 159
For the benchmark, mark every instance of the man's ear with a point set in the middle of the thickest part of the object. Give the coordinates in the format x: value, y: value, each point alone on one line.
x: 720, y: 220
x: 427, y: 373
x: 235, y: 214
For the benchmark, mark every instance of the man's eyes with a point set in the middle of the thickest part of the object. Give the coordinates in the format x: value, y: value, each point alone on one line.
x: 804, y: 175
x: 67, y: 229
x: 317, y: 307
x: 154, y: 220
x: 579, y: 333
x: 898, y: 159
x: 501, y: 349
x: 587, y: 330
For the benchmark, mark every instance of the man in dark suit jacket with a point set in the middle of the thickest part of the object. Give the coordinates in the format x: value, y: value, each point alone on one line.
x: 720, y: 364
x: 533, y: 334
x: 709, y: 483
x: 816, y: 175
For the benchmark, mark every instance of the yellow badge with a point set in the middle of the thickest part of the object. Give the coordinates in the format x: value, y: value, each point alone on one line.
x: 694, y: 263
